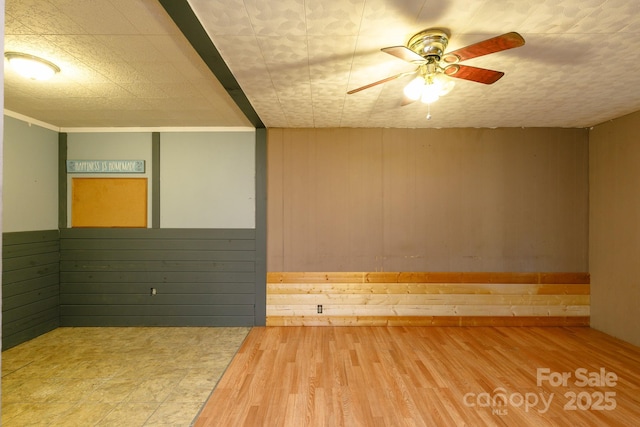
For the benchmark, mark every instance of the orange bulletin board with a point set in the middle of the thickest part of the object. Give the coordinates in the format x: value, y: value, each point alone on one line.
x: 109, y: 202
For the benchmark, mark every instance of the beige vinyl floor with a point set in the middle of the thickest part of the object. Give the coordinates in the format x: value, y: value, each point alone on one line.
x: 136, y: 376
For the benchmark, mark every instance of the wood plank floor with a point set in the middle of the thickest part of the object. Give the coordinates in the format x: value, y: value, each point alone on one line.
x: 417, y: 376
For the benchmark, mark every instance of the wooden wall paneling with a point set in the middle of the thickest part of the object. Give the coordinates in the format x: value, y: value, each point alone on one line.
x: 466, y: 208
x: 361, y: 298
x: 331, y: 193
x: 275, y: 200
x: 30, y: 285
x: 448, y: 199
x: 614, y: 240
x: 201, y: 277
x: 426, y: 217
x: 398, y: 206
x: 491, y: 194
x: 365, y: 200
x: 407, y: 289
x: 575, y: 209
x: 299, y: 204
x: 456, y: 297
x: 429, y: 277
x: 520, y: 199
x: 228, y: 287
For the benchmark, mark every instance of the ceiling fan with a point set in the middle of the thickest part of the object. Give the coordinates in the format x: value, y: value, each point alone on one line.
x: 435, y: 68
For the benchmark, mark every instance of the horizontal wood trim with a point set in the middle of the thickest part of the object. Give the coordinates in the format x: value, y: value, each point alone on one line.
x: 361, y: 298
x: 33, y: 272
x: 31, y: 297
x: 32, y: 238
x: 47, y: 305
x: 427, y: 321
x: 31, y: 321
x: 431, y: 310
x: 372, y: 300
x: 428, y: 288
x: 31, y: 327
x: 11, y: 252
x: 25, y: 262
x: 10, y: 290
x: 427, y: 277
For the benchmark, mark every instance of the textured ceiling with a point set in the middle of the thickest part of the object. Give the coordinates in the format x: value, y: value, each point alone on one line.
x: 296, y: 60
x: 125, y: 63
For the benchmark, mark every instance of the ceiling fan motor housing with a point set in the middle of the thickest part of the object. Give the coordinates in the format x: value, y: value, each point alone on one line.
x: 429, y: 43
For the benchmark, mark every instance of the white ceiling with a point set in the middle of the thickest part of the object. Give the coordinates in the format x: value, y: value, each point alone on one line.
x: 125, y: 63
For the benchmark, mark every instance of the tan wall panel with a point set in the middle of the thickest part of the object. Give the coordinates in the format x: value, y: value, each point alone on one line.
x: 615, y: 227
x: 330, y: 191
x: 365, y: 198
x: 299, y: 202
x: 428, y: 200
x: 275, y: 209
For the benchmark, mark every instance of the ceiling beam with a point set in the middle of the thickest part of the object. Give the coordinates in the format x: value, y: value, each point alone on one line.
x: 188, y: 23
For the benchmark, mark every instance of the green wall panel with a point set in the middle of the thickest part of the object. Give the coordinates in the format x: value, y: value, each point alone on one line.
x: 201, y: 277
x: 30, y: 285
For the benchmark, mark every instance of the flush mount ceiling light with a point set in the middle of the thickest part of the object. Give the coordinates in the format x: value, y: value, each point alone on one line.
x: 31, y: 67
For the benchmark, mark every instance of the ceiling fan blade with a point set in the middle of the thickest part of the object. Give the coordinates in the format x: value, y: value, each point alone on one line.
x: 480, y: 75
x: 388, y: 79
x: 403, y: 53
x: 492, y: 45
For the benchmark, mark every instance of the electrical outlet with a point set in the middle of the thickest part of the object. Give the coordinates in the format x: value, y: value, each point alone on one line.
x: 320, y: 308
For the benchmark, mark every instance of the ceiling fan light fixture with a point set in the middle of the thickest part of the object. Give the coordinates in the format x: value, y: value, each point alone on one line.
x: 429, y: 88
x: 445, y: 83
x: 430, y: 93
x: 31, y: 67
x: 414, y: 89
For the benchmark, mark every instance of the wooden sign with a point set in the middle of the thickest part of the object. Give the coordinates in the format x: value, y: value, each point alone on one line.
x: 105, y: 166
